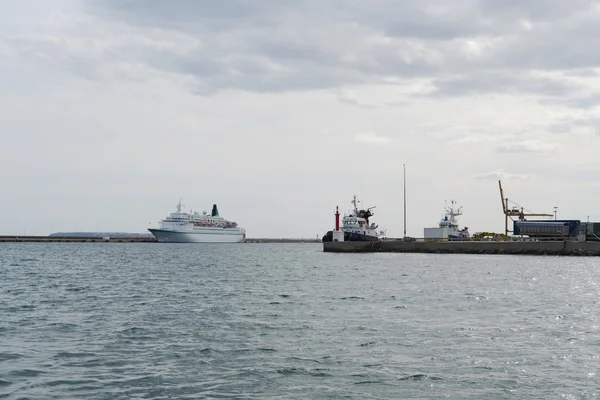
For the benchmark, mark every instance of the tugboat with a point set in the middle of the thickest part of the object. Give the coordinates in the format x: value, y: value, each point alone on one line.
x: 448, y: 227
x: 355, y: 225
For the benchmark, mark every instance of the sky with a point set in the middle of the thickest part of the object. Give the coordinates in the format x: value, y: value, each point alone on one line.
x: 278, y: 111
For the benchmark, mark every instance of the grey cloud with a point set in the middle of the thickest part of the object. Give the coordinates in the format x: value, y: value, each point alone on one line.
x: 197, y: 63
x: 83, y: 61
x: 430, y: 20
x: 536, y: 10
x: 561, y: 128
x: 575, y: 101
x: 583, y: 73
x: 501, y: 82
x: 188, y: 14
x: 293, y: 48
x: 433, y: 19
x: 552, y: 50
x: 592, y: 123
x: 573, y: 125
x: 278, y: 45
x: 353, y: 100
x: 356, y: 102
x: 274, y: 82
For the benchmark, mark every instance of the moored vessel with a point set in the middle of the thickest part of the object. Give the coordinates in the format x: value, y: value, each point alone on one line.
x: 448, y: 226
x: 355, y: 226
x: 194, y: 227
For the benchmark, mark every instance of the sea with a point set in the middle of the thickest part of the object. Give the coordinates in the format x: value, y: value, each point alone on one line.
x: 288, y: 321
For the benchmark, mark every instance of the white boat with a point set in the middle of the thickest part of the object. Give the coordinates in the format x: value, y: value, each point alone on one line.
x: 448, y: 226
x: 193, y: 227
x: 356, y: 225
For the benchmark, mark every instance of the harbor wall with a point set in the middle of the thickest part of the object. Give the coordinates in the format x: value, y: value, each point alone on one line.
x: 282, y: 240
x: 572, y: 248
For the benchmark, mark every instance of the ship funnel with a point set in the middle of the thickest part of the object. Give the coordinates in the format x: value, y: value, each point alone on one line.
x: 215, y: 211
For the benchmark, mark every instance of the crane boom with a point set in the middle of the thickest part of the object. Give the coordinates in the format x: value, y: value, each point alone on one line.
x: 502, y: 197
x: 515, y: 211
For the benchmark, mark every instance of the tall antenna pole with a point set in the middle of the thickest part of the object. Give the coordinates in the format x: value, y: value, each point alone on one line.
x: 404, y: 166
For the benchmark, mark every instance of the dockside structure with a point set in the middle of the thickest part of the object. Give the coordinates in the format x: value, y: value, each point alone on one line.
x: 564, y: 229
x: 542, y: 247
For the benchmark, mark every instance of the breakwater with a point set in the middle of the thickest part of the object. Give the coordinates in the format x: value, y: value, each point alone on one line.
x: 76, y: 239
x: 128, y: 239
x: 564, y: 247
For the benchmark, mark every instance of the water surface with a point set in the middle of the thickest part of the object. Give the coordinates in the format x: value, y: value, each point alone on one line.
x: 287, y: 321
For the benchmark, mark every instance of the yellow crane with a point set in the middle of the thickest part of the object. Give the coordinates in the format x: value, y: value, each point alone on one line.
x: 515, y: 211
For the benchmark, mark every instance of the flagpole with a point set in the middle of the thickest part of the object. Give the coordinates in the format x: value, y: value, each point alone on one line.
x: 404, y: 166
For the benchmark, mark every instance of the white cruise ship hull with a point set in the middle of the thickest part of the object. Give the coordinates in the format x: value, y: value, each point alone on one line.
x: 199, y: 236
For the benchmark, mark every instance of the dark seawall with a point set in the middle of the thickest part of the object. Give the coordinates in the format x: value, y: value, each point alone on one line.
x: 565, y: 248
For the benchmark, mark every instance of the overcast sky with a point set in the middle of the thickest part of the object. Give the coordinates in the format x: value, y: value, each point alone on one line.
x: 277, y: 110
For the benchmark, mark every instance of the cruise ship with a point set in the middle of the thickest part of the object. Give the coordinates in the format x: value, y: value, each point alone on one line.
x: 193, y: 227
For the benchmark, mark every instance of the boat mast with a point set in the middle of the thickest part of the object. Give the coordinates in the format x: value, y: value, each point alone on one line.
x: 453, y: 213
x: 355, y: 202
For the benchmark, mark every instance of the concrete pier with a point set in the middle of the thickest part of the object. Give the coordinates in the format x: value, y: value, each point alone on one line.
x: 563, y: 248
x: 282, y: 240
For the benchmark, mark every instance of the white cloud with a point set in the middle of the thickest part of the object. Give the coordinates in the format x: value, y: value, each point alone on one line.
x: 501, y: 175
x: 372, y: 138
x: 528, y: 146
x: 472, y: 139
x: 526, y: 24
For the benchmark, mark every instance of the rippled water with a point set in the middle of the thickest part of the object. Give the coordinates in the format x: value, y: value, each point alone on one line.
x: 287, y: 321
